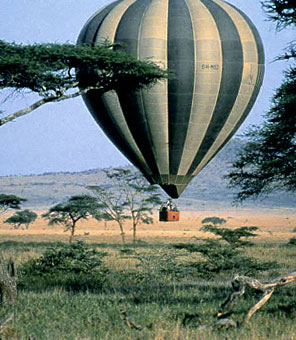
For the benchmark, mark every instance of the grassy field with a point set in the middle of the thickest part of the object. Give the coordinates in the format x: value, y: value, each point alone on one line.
x: 150, y: 282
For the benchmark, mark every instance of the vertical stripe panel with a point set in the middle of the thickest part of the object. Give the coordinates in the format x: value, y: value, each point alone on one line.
x: 180, y: 89
x: 231, y: 77
x: 109, y: 116
x: 261, y: 61
x: 96, y: 106
x: 112, y: 106
x: 132, y: 103
x: 89, y: 31
x: 109, y: 25
x: 208, y: 66
x: 153, y: 47
x: 249, y: 78
x: 111, y: 102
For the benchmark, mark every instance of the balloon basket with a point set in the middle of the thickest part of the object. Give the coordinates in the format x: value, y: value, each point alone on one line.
x: 168, y: 213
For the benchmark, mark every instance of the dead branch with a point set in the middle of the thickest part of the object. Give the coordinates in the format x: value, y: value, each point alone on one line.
x: 6, y: 321
x: 266, y: 296
x: 131, y: 324
x: 239, y: 285
x: 47, y: 99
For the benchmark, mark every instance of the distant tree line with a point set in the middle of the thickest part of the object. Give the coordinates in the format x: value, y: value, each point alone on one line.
x: 128, y: 196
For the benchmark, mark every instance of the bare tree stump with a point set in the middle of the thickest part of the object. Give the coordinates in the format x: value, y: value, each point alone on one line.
x: 8, y: 287
x: 8, y: 290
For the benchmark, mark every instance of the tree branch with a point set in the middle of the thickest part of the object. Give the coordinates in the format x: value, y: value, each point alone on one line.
x: 239, y: 285
x: 45, y: 100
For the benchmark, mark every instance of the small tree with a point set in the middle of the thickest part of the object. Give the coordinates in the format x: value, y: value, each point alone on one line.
x: 129, y: 196
x: 69, y: 213
x: 10, y: 202
x: 111, y: 206
x: 23, y: 217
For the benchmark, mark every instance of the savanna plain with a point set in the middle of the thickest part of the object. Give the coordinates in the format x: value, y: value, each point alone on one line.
x: 150, y: 289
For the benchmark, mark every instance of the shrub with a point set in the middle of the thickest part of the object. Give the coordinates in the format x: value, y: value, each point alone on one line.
x: 225, y: 254
x: 292, y: 241
x: 162, y: 267
x: 67, y: 265
x: 213, y: 220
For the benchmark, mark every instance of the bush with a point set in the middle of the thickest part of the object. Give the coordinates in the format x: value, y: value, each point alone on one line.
x: 292, y: 241
x: 75, y: 258
x: 70, y: 265
x: 225, y: 254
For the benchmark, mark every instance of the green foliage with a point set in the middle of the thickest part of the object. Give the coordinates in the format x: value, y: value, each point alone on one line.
x: 71, y: 306
x: 49, y: 70
x: 74, y: 267
x: 233, y: 237
x: 23, y: 217
x: 10, y: 202
x: 282, y: 12
x: 75, y: 258
x: 292, y: 241
x: 294, y: 230
x: 158, y: 268
x: 267, y: 162
x: 225, y: 254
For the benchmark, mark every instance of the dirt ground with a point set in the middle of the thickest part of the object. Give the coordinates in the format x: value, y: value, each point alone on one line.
x: 275, y: 225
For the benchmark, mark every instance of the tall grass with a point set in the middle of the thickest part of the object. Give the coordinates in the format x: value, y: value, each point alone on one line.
x: 149, y: 283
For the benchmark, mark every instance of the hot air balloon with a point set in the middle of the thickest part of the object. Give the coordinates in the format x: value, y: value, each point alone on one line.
x: 172, y: 130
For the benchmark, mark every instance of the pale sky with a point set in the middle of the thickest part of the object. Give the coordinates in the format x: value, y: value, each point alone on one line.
x: 64, y: 136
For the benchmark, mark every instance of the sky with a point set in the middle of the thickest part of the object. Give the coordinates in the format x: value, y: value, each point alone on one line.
x: 63, y: 136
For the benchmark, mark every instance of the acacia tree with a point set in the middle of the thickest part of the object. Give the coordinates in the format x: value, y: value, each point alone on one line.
x: 56, y: 72
x: 129, y: 196
x: 69, y: 213
x: 23, y: 217
x: 267, y: 162
x: 10, y: 202
x: 111, y: 206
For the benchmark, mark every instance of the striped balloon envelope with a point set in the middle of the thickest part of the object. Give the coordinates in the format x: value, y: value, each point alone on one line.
x: 171, y: 131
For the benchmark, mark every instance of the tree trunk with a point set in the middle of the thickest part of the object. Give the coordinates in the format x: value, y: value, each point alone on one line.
x: 134, y: 233
x: 8, y: 292
x: 72, y: 234
x: 122, y: 233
